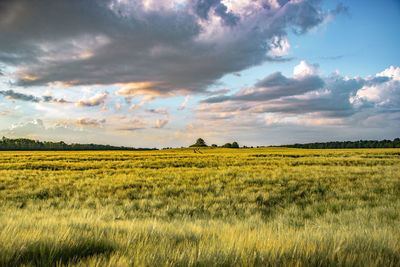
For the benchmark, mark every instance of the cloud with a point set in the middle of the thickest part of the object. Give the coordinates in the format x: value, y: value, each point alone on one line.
x: 12, y: 95
x: 204, y: 7
x: 305, y: 69
x: 392, y: 72
x: 275, y: 86
x: 160, y: 123
x: 96, y: 100
x: 340, y: 9
x: 383, y: 91
x: 117, y: 106
x: 157, y: 111
x: 54, y: 100
x: 163, y: 46
x: 129, y: 129
x: 184, y: 103
x: 63, y: 130
x: 135, y: 107
x: 24, y: 128
x: 310, y: 98
x: 5, y: 112
x: 214, y: 117
x: 133, y: 126
x: 93, y: 123
x: 148, y: 91
x: 133, y: 89
x: 218, y: 92
x: 279, y: 46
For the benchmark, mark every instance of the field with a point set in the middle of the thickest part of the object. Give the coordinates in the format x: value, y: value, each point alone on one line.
x: 220, y: 207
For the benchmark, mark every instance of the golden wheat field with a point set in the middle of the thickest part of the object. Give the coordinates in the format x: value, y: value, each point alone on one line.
x: 216, y: 207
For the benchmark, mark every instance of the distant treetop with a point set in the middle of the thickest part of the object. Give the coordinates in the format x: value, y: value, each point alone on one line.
x: 235, y: 145
x: 199, y: 143
x: 231, y: 145
x: 227, y: 145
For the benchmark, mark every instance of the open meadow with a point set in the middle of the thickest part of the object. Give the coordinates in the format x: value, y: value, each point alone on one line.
x: 216, y: 207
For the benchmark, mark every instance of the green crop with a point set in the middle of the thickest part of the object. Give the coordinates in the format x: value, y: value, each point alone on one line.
x: 220, y: 207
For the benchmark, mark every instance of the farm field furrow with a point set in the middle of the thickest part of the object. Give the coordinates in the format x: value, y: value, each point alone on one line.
x: 220, y: 207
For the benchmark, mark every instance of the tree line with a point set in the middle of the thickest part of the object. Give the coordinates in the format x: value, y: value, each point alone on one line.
x: 350, y: 144
x: 201, y: 143
x: 28, y: 144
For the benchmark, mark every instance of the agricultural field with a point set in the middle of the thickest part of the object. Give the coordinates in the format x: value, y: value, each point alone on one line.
x: 215, y: 207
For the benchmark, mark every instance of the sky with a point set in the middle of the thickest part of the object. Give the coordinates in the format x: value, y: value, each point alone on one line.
x: 150, y: 73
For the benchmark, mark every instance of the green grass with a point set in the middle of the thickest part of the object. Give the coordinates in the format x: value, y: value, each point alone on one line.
x: 224, y: 207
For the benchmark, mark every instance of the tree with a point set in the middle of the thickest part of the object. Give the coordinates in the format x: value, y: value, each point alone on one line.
x: 199, y: 143
x: 28, y: 144
x: 396, y: 142
x: 227, y: 145
x: 235, y: 145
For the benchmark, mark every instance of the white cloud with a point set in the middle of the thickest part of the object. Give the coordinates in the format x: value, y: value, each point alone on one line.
x: 95, y: 100
x: 183, y: 105
x: 391, y: 72
x: 117, y: 106
x: 305, y: 69
x: 135, y: 107
x: 385, y: 93
x: 279, y: 46
x: 160, y: 123
x: 36, y: 124
x: 87, y: 122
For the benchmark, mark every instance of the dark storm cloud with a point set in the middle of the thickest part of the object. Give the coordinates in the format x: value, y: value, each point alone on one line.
x: 218, y: 92
x: 274, y: 86
x: 331, y: 97
x: 326, y: 106
x: 332, y: 101
x: 377, y: 80
x: 50, y: 99
x: 218, y: 99
x: 203, y: 7
x: 274, y: 79
x: 82, y: 42
x: 19, y: 96
x: 11, y: 94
